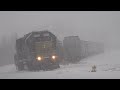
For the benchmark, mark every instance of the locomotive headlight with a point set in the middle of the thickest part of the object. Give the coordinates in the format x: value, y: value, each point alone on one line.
x: 53, y: 57
x: 39, y: 58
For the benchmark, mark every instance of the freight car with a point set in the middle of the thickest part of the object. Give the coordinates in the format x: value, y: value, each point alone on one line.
x: 72, y: 49
x: 76, y: 49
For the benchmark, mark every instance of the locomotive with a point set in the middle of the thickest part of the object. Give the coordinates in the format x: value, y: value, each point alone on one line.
x: 37, y: 50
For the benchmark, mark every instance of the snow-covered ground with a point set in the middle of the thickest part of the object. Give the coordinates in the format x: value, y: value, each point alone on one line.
x: 108, y: 67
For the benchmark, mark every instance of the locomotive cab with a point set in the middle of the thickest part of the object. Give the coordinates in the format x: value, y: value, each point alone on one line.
x: 40, y: 51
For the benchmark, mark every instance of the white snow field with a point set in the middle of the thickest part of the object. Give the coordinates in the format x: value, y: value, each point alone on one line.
x: 108, y: 67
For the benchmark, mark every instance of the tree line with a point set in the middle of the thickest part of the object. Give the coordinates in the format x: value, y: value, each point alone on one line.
x: 7, y: 49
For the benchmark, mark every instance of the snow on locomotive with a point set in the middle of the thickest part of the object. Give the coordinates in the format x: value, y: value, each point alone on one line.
x: 37, y: 51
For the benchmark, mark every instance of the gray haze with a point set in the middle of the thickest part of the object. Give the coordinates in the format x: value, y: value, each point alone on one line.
x: 100, y: 26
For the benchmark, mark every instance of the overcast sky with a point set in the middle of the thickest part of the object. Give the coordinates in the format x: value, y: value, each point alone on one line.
x: 102, y: 26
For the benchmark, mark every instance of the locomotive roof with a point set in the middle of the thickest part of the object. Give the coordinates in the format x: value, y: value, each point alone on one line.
x: 34, y: 32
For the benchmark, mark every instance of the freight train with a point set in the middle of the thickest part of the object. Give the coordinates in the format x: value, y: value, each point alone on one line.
x: 41, y: 50
x: 37, y: 51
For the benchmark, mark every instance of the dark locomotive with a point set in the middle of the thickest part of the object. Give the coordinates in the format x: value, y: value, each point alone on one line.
x: 37, y: 51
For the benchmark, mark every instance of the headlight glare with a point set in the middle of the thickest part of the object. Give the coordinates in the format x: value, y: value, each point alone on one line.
x: 53, y: 57
x: 39, y: 58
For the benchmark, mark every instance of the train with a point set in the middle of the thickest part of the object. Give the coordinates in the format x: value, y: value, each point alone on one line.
x: 42, y: 50
x: 38, y: 50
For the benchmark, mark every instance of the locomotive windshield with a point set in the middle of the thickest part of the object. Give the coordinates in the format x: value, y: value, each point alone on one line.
x: 46, y: 34
x: 42, y: 38
x: 36, y: 35
x: 44, y: 43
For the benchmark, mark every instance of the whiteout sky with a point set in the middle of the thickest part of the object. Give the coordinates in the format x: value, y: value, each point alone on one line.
x: 100, y: 26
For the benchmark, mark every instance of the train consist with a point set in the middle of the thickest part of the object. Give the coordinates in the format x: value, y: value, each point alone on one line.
x: 76, y: 49
x: 89, y: 48
x: 41, y: 50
